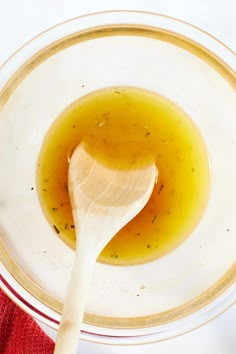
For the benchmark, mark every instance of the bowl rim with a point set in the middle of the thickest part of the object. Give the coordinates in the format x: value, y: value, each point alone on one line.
x: 11, y: 278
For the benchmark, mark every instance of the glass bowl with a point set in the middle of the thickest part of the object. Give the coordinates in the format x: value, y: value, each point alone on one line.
x: 147, y: 302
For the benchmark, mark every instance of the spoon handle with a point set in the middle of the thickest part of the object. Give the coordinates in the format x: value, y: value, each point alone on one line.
x: 74, y: 306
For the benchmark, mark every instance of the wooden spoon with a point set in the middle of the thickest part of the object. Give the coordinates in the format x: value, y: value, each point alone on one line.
x: 103, y: 200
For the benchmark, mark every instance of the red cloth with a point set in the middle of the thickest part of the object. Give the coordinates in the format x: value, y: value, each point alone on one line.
x: 19, y: 333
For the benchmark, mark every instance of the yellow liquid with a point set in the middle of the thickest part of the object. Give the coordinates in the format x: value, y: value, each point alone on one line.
x: 129, y: 124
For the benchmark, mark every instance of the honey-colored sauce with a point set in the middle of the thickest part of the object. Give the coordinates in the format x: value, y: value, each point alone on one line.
x: 129, y: 124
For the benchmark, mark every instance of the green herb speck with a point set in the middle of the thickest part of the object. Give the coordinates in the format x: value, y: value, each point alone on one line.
x: 161, y: 187
x: 106, y: 114
x: 56, y: 229
x: 154, y: 218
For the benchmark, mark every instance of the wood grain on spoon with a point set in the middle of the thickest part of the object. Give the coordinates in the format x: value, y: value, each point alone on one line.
x: 103, y: 200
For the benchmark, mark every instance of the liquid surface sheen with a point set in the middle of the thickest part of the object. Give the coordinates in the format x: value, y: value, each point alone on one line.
x: 129, y: 125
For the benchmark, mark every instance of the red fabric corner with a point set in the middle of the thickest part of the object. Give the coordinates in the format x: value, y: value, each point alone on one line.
x: 19, y: 333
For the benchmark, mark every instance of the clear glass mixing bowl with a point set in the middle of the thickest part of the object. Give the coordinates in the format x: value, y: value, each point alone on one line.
x: 193, y: 283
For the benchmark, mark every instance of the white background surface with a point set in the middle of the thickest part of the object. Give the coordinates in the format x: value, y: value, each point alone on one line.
x: 20, y: 20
